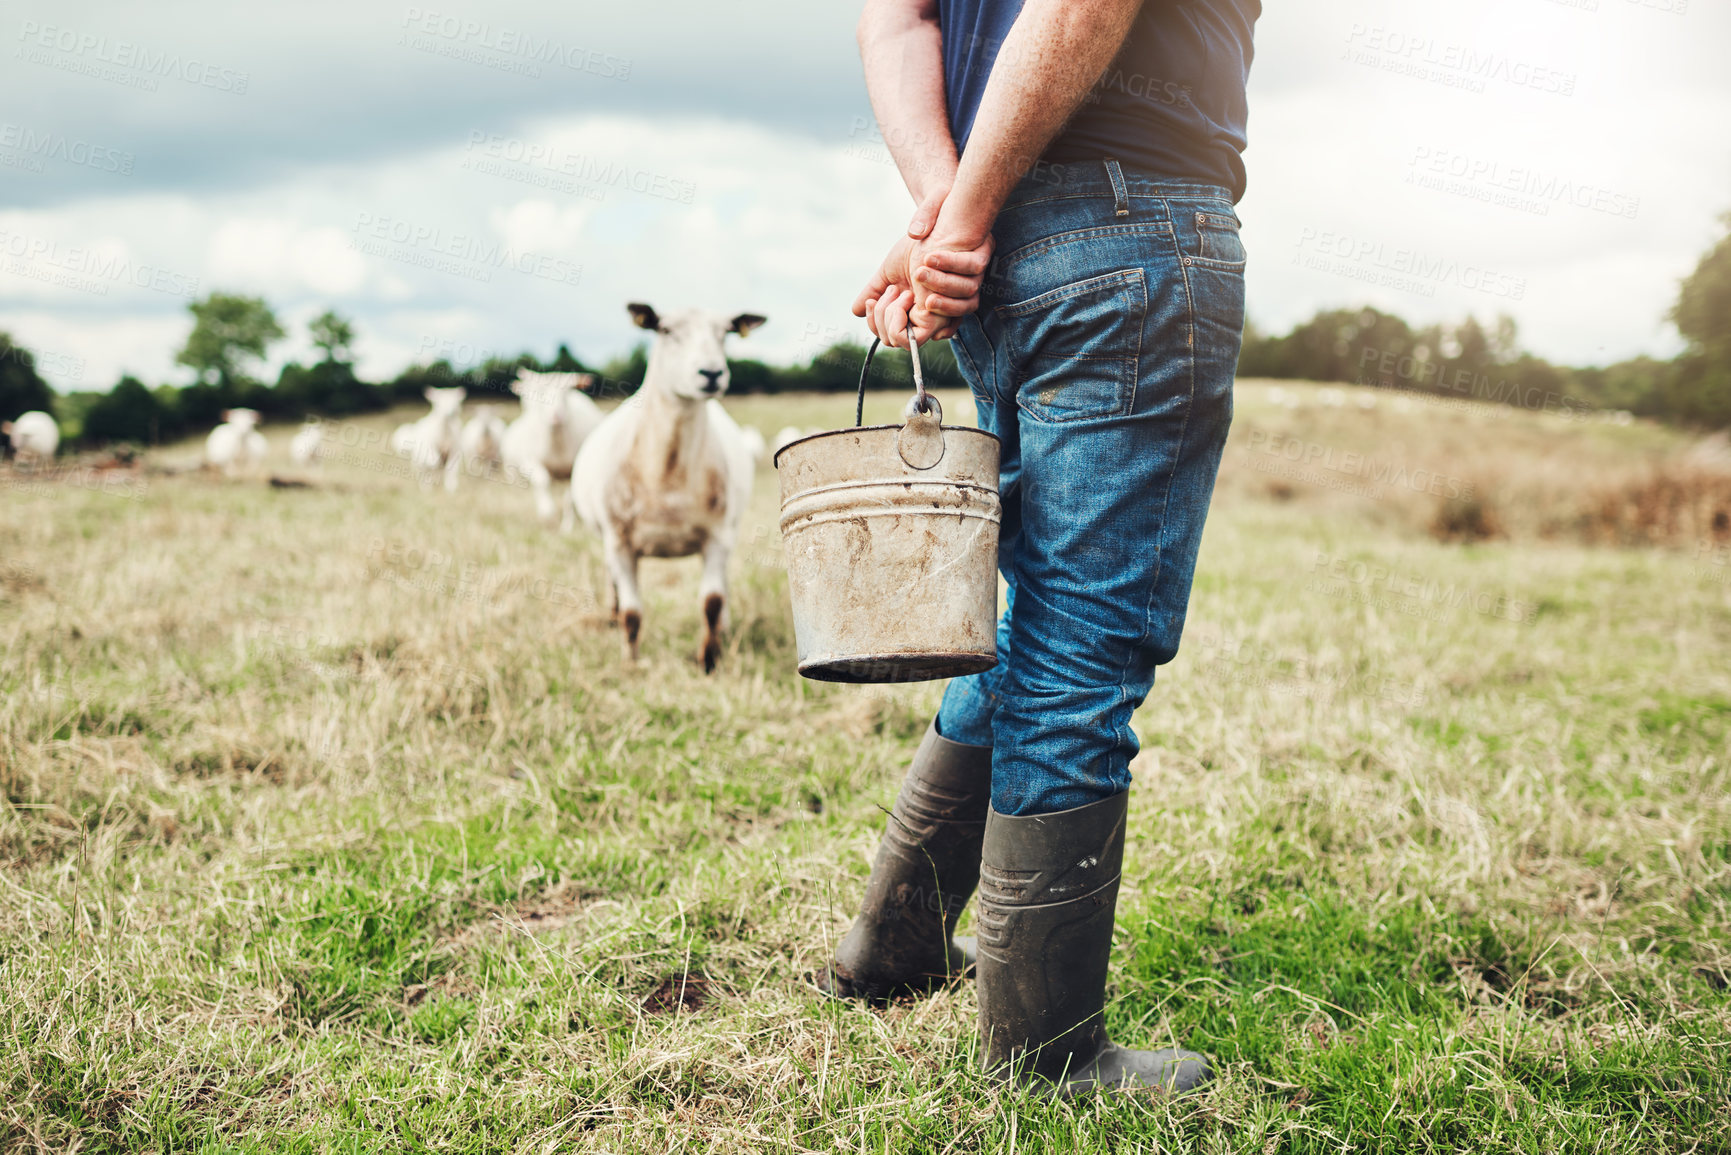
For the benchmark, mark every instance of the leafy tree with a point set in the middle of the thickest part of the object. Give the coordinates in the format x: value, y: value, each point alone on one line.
x: 564, y: 361
x: 128, y: 412
x: 1699, y: 391
x: 625, y: 374
x: 228, y: 330
x: 333, y: 334
x: 21, y: 388
x: 1338, y: 345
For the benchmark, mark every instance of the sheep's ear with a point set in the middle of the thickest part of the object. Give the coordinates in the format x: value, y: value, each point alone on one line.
x: 225, y: 414
x: 584, y: 380
x: 644, y: 316
x: 517, y: 386
x: 428, y: 394
x: 6, y: 428
x: 462, y: 393
x: 745, y: 323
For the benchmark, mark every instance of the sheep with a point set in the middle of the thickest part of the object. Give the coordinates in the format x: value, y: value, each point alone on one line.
x: 403, y: 439
x: 541, y: 445
x: 754, y: 443
x: 308, y: 445
x: 435, y: 437
x: 786, y: 436
x: 669, y: 475
x: 480, y: 441
x: 236, y: 445
x: 34, y: 436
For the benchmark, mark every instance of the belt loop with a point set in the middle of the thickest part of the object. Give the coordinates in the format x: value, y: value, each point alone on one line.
x: 1120, y: 194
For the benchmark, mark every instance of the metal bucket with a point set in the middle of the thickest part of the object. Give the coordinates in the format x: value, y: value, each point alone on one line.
x: 891, y: 533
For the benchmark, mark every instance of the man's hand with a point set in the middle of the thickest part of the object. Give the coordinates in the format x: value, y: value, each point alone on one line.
x: 929, y: 281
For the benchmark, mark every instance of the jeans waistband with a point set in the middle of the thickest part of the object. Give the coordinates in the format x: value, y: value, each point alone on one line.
x: 1089, y: 178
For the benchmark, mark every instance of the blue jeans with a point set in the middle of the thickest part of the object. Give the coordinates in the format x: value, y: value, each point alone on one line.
x: 1102, y: 356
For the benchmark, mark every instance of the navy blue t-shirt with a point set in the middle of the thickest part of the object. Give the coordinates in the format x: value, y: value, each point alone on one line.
x: 1171, y: 105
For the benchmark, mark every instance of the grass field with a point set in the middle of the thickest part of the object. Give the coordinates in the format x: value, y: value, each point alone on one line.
x: 334, y: 822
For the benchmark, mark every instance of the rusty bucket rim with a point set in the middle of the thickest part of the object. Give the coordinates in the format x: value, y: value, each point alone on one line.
x: 776, y: 459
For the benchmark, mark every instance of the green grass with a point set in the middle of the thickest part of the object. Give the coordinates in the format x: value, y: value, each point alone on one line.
x: 333, y: 822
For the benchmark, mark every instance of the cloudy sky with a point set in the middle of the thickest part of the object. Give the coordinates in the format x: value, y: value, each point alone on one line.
x: 467, y: 178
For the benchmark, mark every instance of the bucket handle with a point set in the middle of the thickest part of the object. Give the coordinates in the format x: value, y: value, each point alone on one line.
x: 922, y: 401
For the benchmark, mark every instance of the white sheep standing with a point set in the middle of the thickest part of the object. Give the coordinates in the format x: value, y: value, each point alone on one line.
x: 308, y: 444
x: 435, y: 437
x: 669, y: 474
x: 786, y: 436
x: 754, y: 443
x: 34, y: 436
x: 481, y: 441
x: 541, y: 445
x: 236, y: 446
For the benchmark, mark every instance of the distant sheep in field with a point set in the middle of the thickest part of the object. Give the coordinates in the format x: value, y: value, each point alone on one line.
x: 541, y: 445
x: 670, y: 474
x: 236, y: 446
x: 34, y: 436
x: 786, y: 436
x: 754, y: 443
x: 308, y: 445
x: 481, y: 441
x: 435, y: 437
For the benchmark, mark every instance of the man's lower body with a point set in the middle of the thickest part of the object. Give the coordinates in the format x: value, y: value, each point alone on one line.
x: 1102, y: 357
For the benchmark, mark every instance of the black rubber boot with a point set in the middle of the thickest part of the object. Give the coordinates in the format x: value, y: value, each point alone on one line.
x: 926, y: 868
x: 1048, y: 895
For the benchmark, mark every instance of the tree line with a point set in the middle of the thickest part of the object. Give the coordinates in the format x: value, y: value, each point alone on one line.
x: 232, y: 333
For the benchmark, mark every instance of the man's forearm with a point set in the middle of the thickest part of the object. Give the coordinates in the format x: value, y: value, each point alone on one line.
x: 1055, y: 52
x: 902, y: 50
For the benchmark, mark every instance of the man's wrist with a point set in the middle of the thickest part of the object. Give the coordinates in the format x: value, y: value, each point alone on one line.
x: 961, y: 226
x: 931, y: 178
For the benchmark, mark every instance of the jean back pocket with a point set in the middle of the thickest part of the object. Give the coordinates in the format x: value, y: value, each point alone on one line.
x: 1074, y: 350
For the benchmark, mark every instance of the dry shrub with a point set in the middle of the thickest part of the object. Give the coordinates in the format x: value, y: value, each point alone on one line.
x: 1670, y: 506
x: 1474, y: 519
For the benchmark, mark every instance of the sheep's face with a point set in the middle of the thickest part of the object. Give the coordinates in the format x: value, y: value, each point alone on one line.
x: 546, y: 393
x: 446, y: 402
x: 688, y: 359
